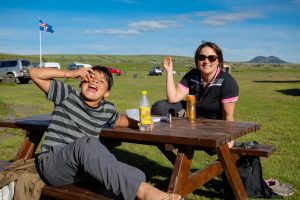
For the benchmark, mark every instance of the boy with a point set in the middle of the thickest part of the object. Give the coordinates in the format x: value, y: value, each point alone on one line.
x: 72, y: 150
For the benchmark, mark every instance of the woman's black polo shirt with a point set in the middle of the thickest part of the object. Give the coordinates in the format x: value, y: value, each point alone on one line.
x: 209, y: 100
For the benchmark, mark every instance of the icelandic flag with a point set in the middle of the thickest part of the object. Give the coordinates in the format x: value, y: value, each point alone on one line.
x: 45, y: 27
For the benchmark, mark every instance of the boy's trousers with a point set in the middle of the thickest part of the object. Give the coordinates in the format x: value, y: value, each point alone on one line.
x: 88, y: 157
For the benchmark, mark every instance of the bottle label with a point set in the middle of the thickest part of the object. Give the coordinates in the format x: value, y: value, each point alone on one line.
x: 145, y: 115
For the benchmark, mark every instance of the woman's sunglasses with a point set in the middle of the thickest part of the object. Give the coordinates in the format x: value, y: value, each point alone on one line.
x: 211, y: 58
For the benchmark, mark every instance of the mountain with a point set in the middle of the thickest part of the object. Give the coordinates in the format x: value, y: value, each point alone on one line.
x: 270, y: 59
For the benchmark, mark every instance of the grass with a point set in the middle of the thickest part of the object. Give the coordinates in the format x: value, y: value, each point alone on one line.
x: 268, y: 95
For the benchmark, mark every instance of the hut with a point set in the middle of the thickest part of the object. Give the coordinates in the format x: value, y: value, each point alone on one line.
x: 227, y: 68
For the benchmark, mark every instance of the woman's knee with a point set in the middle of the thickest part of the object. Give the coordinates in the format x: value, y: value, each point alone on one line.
x: 160, y: 107
x: 163, y: 107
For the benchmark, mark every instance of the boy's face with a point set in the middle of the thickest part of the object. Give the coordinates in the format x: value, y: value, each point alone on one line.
x: 94, y: 90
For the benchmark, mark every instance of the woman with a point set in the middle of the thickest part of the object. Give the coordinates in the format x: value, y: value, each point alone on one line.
x: 216, y: 91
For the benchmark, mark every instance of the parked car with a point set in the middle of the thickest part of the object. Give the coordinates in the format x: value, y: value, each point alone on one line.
x: 35, y: 65
x: 155, y: 71
x: 114, y: 71
x: 76, y: 65
x: 46, y: 64
x: 15, y: 70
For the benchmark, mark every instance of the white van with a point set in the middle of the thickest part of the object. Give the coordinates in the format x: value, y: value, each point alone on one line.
x: 47, y: 64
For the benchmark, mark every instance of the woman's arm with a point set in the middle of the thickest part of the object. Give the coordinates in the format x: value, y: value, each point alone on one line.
x: 174, y: 94
x: 228, y: 110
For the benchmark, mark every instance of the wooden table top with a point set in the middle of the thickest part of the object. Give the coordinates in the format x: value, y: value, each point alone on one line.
x: 201, y: 133
x: 27, y: 123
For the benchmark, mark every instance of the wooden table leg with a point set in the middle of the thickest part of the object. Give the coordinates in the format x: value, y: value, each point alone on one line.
x: 29, y: 145
x: 232, y: 174
x: 181, y: 169
x: 169, y: 154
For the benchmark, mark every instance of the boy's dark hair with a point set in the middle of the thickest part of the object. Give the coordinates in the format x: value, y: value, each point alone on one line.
x: 107, y: 74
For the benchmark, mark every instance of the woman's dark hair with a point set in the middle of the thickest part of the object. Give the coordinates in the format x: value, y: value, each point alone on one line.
x: 107, y: 74
x: 215, y: 47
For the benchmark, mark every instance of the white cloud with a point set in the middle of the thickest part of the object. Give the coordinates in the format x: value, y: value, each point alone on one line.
x: 136, y: 28
x: 113, y: 32
x: 144, y: 26
x: 220, y: 19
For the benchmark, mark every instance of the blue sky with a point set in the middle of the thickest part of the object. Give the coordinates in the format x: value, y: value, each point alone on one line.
x: 242, y: 28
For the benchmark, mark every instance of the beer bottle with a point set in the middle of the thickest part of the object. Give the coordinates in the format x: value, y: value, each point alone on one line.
x: 145, y: 112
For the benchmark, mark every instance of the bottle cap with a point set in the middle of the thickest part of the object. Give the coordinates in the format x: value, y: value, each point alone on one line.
x: 144, y: 92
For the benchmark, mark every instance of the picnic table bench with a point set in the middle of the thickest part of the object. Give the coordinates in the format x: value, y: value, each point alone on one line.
x: 210, y: 134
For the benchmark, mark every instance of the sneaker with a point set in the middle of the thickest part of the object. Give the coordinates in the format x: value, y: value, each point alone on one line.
x: 272, y: 182
x: 181, y: 113
x: 283, y: 189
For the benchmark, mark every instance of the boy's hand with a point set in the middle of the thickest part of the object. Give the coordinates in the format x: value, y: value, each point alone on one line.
x: 151, y: 125
x: 168, y: 64
x: 82, y: 73
x: 125, y: 121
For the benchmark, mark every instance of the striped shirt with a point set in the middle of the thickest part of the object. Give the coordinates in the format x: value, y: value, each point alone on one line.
x: 72, y: 118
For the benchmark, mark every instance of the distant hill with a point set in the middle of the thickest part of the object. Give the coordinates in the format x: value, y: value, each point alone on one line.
x: 133, y: 62
x: 125, y: 62
x: 270, y: 60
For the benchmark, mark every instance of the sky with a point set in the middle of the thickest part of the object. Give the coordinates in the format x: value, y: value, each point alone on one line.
x: 243, y: 29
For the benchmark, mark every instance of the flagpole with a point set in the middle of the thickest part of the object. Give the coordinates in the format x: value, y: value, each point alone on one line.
x: 40, y: 48
x: 46, y: 28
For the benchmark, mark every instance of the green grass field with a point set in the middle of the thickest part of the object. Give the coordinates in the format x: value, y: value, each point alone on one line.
x: 268, y: 95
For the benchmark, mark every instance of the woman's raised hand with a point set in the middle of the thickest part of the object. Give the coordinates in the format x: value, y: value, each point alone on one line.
x: 168, y: 64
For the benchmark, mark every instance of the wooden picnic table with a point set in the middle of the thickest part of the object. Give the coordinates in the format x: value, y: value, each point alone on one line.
x: 202, y: 134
